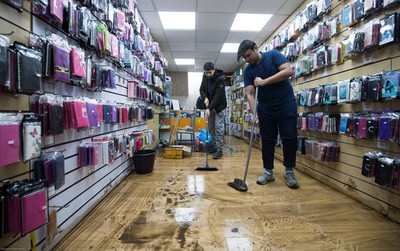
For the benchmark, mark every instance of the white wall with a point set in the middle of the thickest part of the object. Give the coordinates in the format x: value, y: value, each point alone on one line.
x: 194, y: 82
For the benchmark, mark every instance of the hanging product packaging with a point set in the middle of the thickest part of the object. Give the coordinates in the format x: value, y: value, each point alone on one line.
x: 32, y: 137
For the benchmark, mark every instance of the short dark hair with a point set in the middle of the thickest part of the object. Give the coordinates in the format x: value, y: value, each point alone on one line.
x: 244, y: 46
x: 208, y: 66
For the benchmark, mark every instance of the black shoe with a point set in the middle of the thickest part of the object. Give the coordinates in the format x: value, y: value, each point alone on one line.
x: 218, y: 155
x: 212, y: 150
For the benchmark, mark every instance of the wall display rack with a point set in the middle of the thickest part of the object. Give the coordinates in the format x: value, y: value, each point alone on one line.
x: 99, y: 59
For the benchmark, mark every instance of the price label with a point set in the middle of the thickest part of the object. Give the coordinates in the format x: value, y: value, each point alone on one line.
x: 368, y: 60
x: 91, y: 131
x: 367, y: 107
x: 91, y: 169
x: 325, y: 73
x: 326, y: 108
x: 49, y: 140
x: 381, y: 145
x: 51, y: 191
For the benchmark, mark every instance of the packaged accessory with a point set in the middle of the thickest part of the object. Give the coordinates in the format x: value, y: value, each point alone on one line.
x: 9, y: 140
x: 4, y: 62
x: 28, y: 69
x: 61, y: 60
x: 34, y: 210
x: 389, y: 29
x: 32, y: 137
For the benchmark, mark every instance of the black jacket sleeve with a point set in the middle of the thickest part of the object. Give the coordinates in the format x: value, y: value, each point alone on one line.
x: 218, y: 101
x: 204, y: 88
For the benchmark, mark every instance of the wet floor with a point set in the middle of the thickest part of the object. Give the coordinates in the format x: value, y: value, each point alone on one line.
x: 179, y: 208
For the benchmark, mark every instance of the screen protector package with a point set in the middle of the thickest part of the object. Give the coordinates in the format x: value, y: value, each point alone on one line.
x: 4, y: 62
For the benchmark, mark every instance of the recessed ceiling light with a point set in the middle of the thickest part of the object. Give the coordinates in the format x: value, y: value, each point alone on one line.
x: 250, y: 22
x: 230, y: 47
x: 178, y: 20
x: 184, y: 61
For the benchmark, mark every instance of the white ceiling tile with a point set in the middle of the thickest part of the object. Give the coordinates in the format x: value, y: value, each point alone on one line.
x: 216, y: 47
x: 158, y: 35
x: 275, y: 22
x: 237, y: 37
x: 227, y: 6
x: 212, y: 21
x: 290, y: 6
x: 164, y: 46
x: 152, y: 20
x: 260, y: 6
x: 210, y: 36
x: 199, y: 66
x: 219, y: 63
x: 175, y: 5
x: 185, y: 68
x: 183, y: 54
x: 167, y: 54
x: 177, y: 46
x: 229, y: 57
x: 200, y: 62
x: 171, y: 67
x: 262, y: 37
x: 179, y: 36
x: 145, y: 5
x: 210, y: 56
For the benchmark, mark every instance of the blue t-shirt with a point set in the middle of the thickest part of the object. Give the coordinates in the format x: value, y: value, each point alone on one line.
x: 273, y: 93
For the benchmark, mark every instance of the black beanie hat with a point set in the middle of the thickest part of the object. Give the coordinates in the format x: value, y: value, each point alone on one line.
x: 244, y: 46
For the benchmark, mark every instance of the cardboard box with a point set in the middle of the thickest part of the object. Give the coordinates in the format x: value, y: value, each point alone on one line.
x: 174, y: 152
x: 187, y: 151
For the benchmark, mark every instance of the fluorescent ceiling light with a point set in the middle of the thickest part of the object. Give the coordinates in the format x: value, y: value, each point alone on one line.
x: 178, y: 20
x: 184, y: 61
x: 230, y: 47
x: 250, y: 22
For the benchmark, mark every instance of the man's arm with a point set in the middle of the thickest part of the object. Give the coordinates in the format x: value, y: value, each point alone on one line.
x: 250, y: 89
x: 203, y: 93
x: 285, y: 71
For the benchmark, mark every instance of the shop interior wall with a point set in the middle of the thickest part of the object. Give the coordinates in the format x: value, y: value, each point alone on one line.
x: 345, y: 175
x: 84, y: 187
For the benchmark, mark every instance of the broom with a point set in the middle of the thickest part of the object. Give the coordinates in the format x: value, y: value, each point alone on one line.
x: 239, y: 184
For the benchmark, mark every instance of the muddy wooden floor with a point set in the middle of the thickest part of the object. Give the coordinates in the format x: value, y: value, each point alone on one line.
x: 179, y: 208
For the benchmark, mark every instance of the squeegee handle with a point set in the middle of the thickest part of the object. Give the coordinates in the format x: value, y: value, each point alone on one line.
x: 251, y: 136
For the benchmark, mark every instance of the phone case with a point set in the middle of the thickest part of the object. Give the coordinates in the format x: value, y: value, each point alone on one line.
x: 9, y: 143
x: 49, y: 171
x: 32, y: 140
x: 59, y: 169
x: 14, y: 214
x: 34, y: 210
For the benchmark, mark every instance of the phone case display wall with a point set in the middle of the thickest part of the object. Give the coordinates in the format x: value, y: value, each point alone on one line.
x: 345, y: 68
x: 92, y: 73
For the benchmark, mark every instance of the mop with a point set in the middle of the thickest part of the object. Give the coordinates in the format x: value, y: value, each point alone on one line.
x: 239, y: 184
x: 206, y: 167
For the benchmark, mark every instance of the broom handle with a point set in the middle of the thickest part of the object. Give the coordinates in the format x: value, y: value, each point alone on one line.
x: 251, y: 137
x: 206, y: 143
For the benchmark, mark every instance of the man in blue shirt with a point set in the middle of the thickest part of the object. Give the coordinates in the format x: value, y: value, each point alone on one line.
x: 276, y: 107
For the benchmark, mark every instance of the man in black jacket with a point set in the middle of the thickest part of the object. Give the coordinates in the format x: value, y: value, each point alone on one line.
x: 212, y: 91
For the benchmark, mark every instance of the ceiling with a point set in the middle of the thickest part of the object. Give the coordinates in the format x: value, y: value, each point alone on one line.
x: 213, y: 22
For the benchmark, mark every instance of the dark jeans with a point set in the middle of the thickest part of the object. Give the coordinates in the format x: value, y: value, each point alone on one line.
x: 280, y: 118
